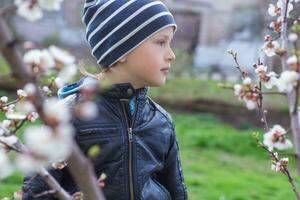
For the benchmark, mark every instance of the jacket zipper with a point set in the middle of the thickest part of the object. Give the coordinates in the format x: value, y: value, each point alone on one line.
x: 124, y: 103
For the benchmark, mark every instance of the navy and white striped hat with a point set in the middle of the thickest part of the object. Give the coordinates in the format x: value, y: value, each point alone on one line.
x: 116, y: 27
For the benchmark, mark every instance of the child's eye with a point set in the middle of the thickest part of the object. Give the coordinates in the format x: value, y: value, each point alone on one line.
x: 161, y: 43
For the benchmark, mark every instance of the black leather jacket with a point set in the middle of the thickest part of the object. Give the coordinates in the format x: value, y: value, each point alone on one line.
x: 139, y: 153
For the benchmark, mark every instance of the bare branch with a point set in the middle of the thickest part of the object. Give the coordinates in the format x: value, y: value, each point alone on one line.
x: 9, y: 84
x: 81, y: 169
x: 292, y: 96
x: 273, y: 93
x: 298, y: 83
x: 261, y: 108
x: 12, y: 55
x: 234, y: 55
x: 44, y: 193
x: 8, y: 9
x: 58, y: 190
x: 285, y: 170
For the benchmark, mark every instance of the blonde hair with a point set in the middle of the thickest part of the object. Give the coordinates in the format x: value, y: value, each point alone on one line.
x: 84, y: 72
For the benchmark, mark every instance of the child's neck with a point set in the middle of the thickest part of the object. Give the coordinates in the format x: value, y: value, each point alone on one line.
x: 116, y: 78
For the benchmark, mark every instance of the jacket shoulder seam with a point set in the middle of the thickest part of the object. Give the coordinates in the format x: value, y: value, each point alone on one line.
x: 163, y: 112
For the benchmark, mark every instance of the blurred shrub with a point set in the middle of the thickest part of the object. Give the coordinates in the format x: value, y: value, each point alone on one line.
x: 51, y: 40
x: 183, y: 64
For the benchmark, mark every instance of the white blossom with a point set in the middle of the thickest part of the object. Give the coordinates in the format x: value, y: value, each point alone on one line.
x: 67, y: 73
x: 25, y: 107
x: 5, y: 165
x: 58, y: 82
x: 289, y: 9
x: 46, y: 59
x: 46, y: 89
x: 275, y: 138
x: 270, y: 47
x: 61, y: 55
x: 6, y: 123
x: 245, y: 93
x: 9, y: 140
x: 247, y: 81
x: 15, y: 116
x: 250, y: 104
x: 88, y: 110
x: 32, y: 57
x: 59, y: 164
x: 21, y: 93
x: 278, y: 166
x: 32, y: 117
x: 9, y: 108
x: 293, y: 37
x: 272, y: 10
x: 18, y: 195
x: 4, y: 99
x: 287, y: 81
x: 50, y: 4
x: 292, y: 60
x: 237, y: 89
x: 40, y: 59
x: 28, y: 164
x: 43, y: 141
x: 261, y: 69
x: 28, y: 11
x: 55, y: 110
x: 272, y: 81
x: 269, y: 80
x: 30, y: 89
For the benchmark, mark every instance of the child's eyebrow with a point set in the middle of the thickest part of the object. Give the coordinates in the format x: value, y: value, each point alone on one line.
x: 165, y: 36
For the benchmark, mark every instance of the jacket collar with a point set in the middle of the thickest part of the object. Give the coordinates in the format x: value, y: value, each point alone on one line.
x: 116, y: 91
x: 125, y: 91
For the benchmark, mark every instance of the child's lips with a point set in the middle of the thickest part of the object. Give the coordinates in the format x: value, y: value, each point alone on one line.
x: 165, y: 70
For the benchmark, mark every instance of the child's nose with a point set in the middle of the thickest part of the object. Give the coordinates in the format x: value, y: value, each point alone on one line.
x: 171, y: 55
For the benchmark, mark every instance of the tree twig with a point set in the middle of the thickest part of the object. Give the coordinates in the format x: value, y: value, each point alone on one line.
x: 7, y: 9
x: 19, y: 125
x: 291, y: 95
x: 298, y: 82
x: 261, y: 108
x: 234, y: 55
x: 285, y: 170
x: 81, y: 169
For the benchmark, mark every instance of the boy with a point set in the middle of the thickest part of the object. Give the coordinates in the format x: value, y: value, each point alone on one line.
x: 139, y: 153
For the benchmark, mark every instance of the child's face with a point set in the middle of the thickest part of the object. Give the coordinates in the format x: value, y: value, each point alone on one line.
x: 149, y: 63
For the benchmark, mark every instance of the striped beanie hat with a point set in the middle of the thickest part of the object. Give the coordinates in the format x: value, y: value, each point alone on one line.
x: 116, y: 27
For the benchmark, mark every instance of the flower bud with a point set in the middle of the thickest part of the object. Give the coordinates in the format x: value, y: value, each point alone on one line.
x: 21, y: 93
x: 268, y: 38
x: 4, y: 99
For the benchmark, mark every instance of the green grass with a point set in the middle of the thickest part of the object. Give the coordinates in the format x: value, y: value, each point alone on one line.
x: 219, y: 163
x: 3, y: 66
x: 11, y: 184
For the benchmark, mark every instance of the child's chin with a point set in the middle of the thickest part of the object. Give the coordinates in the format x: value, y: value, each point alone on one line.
x: 157, y: 84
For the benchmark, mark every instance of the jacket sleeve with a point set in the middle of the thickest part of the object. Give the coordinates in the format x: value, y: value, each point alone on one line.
x: 171, y: 176
x: 34, y: 185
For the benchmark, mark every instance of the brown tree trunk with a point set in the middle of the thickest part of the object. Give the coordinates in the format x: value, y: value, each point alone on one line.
x: 292, y: 96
